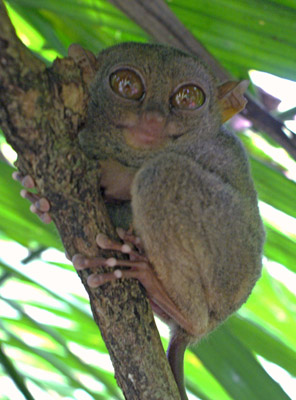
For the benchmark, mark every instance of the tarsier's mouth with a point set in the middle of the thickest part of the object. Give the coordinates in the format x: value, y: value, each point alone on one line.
x: 144, y: 138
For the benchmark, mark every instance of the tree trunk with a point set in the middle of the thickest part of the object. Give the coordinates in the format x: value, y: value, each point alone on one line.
x: 41, y: 112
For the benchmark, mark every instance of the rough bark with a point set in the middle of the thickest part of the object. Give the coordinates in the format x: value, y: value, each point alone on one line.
x: 41, y: 112
x: 156, y: 18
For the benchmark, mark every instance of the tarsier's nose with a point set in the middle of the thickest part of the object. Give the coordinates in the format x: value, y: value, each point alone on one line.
x: 153, y: 117
x: 152, y: 121
x: 148, y: 132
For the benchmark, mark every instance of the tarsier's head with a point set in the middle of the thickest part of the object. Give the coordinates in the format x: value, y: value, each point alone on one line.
x: 147, y: 97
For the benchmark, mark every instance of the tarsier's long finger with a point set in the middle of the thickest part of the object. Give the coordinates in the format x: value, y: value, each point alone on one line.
x: 44, y: 216
x: 108, y: 244
x: 40, y: 203
x: 96, y: 280
x: 39, y: 206
x: 129, y: 237
x: 32, y: 197
x: 27, y: 181
x: 81, y: 262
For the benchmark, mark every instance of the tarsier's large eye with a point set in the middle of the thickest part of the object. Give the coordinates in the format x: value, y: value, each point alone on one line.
x: 127, y: 83
x: 188, y: 97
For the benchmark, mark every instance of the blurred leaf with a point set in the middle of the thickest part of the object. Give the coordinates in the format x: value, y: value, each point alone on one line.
x: 273, y: 306
x: 280, y: 248
x: 94, y: 24
x: 274, y: 188
x: 243, y: 35
x: 236, y: 368
x: 262, y: 342
x: 16, y: 220
x: 246, y: 34
x: 14, y: 374
x: 60, y: 357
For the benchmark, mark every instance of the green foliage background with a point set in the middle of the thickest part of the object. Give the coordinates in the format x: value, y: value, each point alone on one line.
x: 67, y: 359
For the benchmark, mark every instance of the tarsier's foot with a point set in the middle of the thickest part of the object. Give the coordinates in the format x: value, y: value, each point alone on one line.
x: 137, y: 261
x: 139, y: 268
x: 40, y: 205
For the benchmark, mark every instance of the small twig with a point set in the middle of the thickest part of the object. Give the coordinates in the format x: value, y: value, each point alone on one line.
x: 34, y: 254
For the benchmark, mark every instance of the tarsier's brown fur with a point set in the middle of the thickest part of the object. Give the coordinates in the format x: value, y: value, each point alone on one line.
x: 193, y: 202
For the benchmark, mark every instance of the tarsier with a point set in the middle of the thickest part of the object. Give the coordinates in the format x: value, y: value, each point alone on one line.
x: 172, y: 171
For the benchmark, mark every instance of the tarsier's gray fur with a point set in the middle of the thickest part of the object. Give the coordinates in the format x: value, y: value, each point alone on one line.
x: 193, y: 202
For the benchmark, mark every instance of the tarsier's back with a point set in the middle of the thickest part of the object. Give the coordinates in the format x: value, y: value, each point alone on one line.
x: 158, y: 111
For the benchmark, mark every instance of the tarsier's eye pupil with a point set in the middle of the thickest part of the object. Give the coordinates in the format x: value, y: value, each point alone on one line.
x: 127, y: 83
x: 188, y: 97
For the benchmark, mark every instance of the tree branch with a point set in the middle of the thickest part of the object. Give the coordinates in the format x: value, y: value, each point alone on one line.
x: 41, y: 114
x: 156, y: 18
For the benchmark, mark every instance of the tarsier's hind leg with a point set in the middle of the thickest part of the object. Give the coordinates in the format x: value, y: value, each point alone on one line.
x: 139, y: 268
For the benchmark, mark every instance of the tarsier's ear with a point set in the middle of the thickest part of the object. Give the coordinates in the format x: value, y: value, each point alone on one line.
x: 85, y: 60
x: 231, y: 98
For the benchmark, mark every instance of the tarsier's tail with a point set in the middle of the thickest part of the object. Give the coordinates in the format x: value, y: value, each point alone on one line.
x: 175, y: 354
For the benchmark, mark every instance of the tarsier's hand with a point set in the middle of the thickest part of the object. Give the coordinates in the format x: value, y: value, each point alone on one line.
x: 40, y: 205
